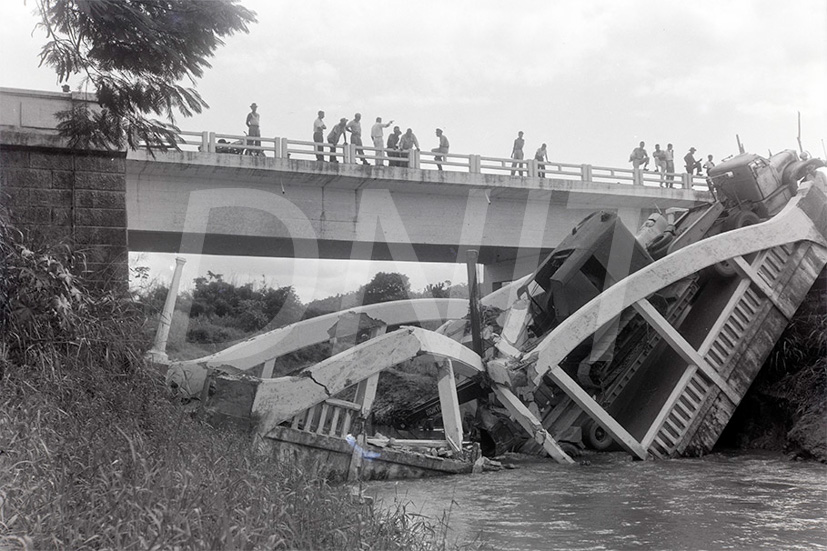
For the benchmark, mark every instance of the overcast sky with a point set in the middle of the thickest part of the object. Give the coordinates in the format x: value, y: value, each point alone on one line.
x: 589, y: 78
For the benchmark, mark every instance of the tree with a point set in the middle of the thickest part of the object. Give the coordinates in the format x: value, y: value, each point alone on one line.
x: 387, y: 286
x: 134, y: 53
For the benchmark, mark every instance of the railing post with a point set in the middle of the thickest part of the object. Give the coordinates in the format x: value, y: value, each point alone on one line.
x: 350, y: 153
x: 414, y: 158
x: 283, y: 146
x: 532, y: 168
x: 586, y: 173
x: 475, y: 164
x: 211, y: 142
x: 637, y: 177
x: 205, y: 142
x: 687, y: 181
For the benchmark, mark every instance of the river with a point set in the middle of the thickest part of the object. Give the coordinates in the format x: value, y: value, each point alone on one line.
x: 723, y: 501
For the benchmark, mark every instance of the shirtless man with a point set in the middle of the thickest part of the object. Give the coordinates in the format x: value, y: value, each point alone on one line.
x: 639, y: 157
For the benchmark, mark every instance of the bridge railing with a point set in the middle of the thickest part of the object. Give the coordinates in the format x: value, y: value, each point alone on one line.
x: 284, y: 148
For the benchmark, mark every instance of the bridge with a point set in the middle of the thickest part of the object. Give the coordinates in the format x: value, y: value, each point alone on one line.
x: 224, y: 194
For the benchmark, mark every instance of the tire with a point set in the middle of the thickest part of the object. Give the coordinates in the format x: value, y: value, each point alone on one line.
x: 726, y: 269
x: 596, y: 437
x: 657, y: 248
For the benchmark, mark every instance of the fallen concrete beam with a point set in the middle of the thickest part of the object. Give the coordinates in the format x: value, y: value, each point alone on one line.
x: 277, y: 400
x: 189, y: 376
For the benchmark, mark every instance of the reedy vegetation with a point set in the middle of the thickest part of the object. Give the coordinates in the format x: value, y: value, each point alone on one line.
x: 94, y: 455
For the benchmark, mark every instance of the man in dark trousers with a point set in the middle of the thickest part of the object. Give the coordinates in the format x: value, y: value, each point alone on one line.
x: 318, y: 135
x: 692, y: 166
x: 338, y: 131
x: 253, y: 129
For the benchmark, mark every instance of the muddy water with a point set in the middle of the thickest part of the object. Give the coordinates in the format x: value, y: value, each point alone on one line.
x: 744, y: 501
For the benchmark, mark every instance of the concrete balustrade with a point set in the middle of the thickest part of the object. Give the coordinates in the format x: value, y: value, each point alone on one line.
x: 286, y: 148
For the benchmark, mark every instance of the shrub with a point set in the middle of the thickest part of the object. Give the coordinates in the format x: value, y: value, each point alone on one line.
x: 93, y: 455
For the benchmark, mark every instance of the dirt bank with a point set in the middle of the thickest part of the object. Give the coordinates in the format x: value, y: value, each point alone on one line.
x: 786, y: 407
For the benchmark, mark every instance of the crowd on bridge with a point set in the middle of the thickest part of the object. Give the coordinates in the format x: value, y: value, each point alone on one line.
x: 665, y: 162
x: 396, y: 150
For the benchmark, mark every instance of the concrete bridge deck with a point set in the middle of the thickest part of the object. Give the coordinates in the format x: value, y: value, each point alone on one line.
x: 283, y: 202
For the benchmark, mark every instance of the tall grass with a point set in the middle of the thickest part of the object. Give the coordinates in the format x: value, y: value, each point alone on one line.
x: 93, y: 454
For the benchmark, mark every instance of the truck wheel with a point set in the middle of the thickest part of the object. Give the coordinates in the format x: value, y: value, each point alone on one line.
x: 657, y: 248
x: 726, y: 269
x: 596, y: 437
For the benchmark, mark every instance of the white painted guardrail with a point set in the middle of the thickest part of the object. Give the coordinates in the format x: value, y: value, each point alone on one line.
x: 285, y: 148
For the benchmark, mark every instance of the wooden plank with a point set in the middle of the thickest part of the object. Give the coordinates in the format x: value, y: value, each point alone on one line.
x: 745, y: 270
x: 673, y: 398
x: 449, y: 404
x: 682, y: 347
x: 408, y: 443
x: 597, y: 413
x: 531, y: 424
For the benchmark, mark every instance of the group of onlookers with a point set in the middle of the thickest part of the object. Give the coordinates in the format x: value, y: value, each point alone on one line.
x: 541, y: 156
x: 665, y: 162
x: 396, y: 149
x: 399, y: 144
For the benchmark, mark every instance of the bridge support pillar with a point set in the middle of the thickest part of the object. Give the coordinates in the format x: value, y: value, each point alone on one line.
x: 62, y: 194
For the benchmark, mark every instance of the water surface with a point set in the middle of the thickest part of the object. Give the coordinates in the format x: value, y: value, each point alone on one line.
x: 723, y: 501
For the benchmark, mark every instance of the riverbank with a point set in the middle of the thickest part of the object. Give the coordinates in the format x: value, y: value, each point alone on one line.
x: 95, y: 455
x: 786, y: 408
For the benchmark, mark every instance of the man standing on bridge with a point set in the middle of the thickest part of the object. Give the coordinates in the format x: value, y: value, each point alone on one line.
x: 443, y: 148
x: 318, y: 136
x: 692, y: 166
x: 541, y: 156
x: 253, y: 129
x: 355, y: 129
x: 393, y: 145
x: 376, y: 135
x: 517, y: 152
x: 338, y: 131
x: 669, y: 156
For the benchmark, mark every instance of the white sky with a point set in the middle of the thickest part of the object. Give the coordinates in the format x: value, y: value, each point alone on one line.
x: 589, y: 78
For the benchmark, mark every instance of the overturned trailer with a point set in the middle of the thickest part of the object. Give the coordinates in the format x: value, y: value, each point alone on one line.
x: 648, y: 344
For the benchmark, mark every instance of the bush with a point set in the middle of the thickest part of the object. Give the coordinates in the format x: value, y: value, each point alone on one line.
x: 93, y: 455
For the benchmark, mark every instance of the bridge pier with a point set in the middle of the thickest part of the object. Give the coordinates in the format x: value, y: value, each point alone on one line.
x: 62, y: 194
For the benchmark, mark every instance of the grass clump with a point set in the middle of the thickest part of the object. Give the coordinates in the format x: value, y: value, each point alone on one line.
x: 94, y: 455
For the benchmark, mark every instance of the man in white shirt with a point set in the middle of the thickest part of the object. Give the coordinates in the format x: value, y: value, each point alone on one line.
x: 253, y: 129
x: 318, y: 136
x: 376, y: 135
